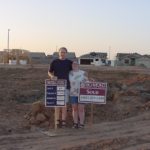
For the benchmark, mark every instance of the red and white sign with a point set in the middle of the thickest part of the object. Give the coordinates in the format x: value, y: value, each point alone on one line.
x: 93, y: 92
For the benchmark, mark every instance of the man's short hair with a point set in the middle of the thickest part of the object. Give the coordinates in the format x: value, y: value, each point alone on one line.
x: 63, y: 48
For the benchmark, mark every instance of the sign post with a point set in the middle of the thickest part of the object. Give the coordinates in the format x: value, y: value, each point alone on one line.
x: 91, y: 118
x: 55, y: 95
x: 55, y: 118
x: 94, y: 93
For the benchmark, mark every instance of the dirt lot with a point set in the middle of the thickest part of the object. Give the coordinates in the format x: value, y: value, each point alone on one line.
x: 122, y: 124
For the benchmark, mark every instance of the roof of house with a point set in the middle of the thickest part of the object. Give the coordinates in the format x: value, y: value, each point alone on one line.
x: 94, y: 54
x: 144, y: 56
x: 37, y: 54
x: 148, y: 56
x: 122, y: 54
x: 128, y: 55
x: 16, y: 50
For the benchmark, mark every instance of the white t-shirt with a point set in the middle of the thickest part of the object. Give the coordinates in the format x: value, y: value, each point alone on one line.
x: 75, y: 77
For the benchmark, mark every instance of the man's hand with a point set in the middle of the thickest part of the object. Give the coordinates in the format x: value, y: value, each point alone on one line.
x: 51, y: 75
x: 53, y: 78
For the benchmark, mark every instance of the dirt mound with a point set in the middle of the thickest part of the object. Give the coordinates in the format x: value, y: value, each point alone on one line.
x: 40, y: 115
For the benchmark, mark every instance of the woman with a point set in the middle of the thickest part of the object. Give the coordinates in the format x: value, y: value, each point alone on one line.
x: 75, y: 77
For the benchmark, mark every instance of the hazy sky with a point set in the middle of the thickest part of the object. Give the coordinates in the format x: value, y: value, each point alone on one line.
x: 80, y: 25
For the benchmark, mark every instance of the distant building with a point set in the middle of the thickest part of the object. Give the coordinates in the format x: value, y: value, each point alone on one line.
x: 132, y: 59
x: 38, y: 58
x: 143, y: 61
x: 126, y: 59
x: 1, y: 57
x: 15, y: 56
x: 96, y: 58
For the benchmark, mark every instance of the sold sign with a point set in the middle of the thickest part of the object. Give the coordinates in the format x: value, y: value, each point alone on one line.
x: 93, y: 92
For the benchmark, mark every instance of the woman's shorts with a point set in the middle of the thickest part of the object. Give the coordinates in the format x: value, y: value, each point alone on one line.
x: 74, y: 99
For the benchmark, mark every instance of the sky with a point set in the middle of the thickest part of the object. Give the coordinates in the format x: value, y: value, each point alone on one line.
x: 82, y: 26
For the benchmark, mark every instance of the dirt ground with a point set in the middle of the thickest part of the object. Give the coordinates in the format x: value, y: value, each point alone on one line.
x: 122, y: 124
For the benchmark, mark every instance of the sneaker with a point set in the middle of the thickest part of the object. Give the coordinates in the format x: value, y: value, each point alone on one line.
x: 63, y: 124
x: 75, y: 126
x: 81, y: 126
x: 58, y: 123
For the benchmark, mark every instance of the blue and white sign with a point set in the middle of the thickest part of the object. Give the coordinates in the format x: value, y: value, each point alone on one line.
x: 55, y: 93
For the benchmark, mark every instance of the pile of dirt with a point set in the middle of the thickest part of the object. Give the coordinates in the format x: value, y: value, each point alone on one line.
x: 43, y: 117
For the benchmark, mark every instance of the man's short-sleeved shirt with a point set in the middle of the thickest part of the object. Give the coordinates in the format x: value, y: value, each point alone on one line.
x: 61, y: 69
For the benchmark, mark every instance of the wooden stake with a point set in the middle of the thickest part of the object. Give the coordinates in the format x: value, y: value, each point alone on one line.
x: 55, y: 118
x: 91, y: 118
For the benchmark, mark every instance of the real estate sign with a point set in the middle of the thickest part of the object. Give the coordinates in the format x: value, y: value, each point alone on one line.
x: 55, y: 93
x: 93, y: 92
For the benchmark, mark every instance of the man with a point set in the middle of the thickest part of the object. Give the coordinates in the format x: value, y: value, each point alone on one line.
x: 59, y: 69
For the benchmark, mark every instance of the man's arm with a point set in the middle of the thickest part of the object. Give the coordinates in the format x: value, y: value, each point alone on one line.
x: 51, y: 72
x: 51, y: 75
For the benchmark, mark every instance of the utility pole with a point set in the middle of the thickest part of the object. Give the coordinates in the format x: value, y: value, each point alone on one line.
x: 6, y: 55
x: 8, y: 40
x: 8, y: 45
x: 109, y: 49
